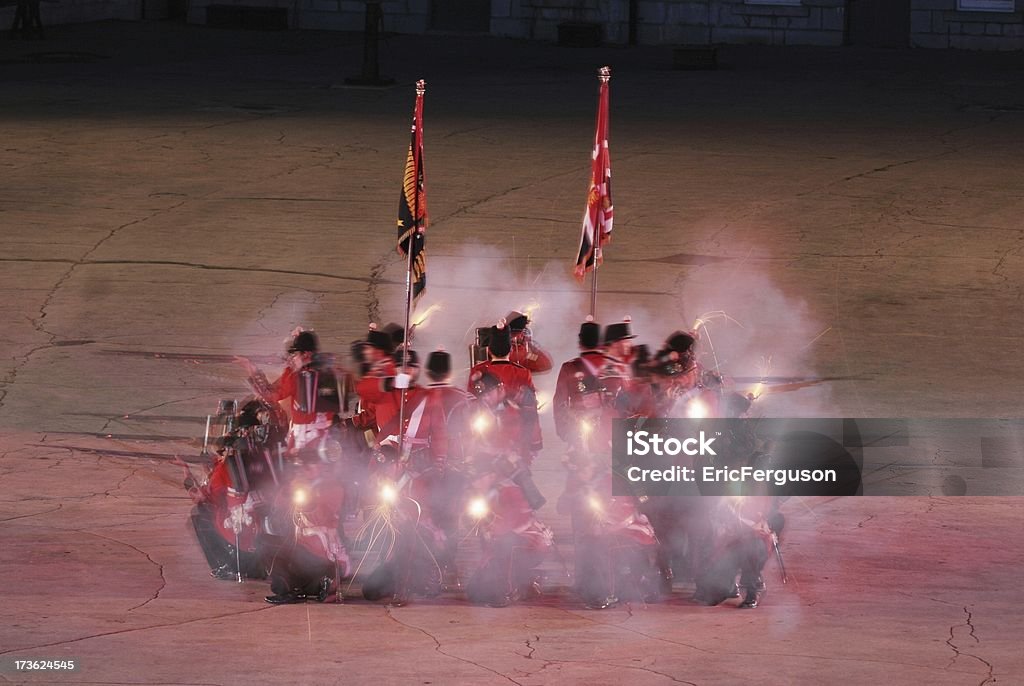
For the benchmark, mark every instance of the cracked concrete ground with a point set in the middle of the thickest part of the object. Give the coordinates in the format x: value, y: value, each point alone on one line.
x: 178, y: 195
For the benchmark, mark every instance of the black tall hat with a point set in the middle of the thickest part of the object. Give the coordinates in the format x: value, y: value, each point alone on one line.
x: 501, y: 340
x: 482, y: 382
x: 413, y: 360
x: 590, y: 334
x: 439, y: 364
x: 681, y: 342
x: 396, y: 332
x: 517, y: 321
x: 304, y: 342
x: 618, y: 332
x: 381, y: 340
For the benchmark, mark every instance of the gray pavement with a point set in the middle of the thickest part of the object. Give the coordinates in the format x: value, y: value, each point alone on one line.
x: 174, y: 195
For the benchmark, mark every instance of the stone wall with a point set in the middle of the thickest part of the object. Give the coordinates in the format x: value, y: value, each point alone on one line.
x: 678, y: 22
x: 80, y: 11
x: 400, y: 16
x: 938, y: 24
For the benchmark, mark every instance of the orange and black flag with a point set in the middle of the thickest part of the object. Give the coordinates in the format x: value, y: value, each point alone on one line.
x: 597, y: 218
x: 412, y: 206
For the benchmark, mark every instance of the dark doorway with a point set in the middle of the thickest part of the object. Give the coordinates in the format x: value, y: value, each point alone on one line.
x: 461, y: 15
x: 878, y: 23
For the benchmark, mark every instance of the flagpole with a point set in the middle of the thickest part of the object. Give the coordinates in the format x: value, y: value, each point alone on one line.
x: 593, y: 282
x: 421, y: 88
x: 604, y: 75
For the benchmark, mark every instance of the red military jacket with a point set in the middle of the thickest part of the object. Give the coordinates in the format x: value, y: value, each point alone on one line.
x: 458, y: 407
x: 626, y: 396
x: 376, y: 404
x: 529, y: 355
x: 577, y: 394
x: 316, y: 521
x: 423, y: 422
x: 304, y: 389
x: 223, y: 499
x: 519, y: 420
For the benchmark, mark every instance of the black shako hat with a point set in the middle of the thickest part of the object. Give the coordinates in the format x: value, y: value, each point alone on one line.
x: 439, y: 365
x: 482, y: 382
x: 618, y: 332
x: 517, y: 321
x: 381, y: 340
x: 396, y: 332
x: 304, y: 342
x: 590, y: 334
x: 681, y: 342
x: 414, y: 359
x: 501, y: 340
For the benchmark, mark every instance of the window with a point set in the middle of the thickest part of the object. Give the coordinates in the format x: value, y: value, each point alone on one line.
x: 796, y: 3
x: 983, y: 5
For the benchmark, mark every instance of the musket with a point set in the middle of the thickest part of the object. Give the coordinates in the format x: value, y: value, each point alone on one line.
x: 238, y: 557
x: 206, y: 438
x: 778, y: 557
x: 337, y: 580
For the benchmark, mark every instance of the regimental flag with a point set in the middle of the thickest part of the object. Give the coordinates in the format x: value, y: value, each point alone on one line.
x: 597, y: 218
x: 412, y: 206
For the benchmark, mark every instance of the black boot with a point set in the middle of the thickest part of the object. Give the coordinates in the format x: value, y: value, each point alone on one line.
x: 284, y: 599
x: 750, y: 601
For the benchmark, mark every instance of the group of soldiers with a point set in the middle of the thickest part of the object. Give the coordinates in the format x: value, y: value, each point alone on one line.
x: 393, y: 448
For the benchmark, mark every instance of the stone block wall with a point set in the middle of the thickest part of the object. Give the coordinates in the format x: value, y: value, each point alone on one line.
x: 939, y: 24
x: 679, y: 22
x: 81, y: 11
x: 400, y: 16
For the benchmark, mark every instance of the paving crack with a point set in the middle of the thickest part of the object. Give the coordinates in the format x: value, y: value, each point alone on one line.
x: 128, y: 631
x: 159, y: 567
x: 439, y: 649
x: 861, y: 523
x: 958, y: 652
x: 34, y: 514
x: 752, y: 654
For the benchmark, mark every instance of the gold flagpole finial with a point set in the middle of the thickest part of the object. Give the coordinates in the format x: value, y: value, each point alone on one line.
x: 421, y: 87
x: 604, y: 74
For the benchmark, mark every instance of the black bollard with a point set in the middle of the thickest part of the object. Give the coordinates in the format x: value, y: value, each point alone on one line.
x: 371, y: 44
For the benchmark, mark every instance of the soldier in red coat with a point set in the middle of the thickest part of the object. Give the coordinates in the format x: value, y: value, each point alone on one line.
x: 376, y: 403
x: 626, y: 395
x: 578, y: 412
x: 514, y: 540
x: 744, y: 528
x: 423, y: 432
x: 517, y: 404
x: 578, y: 399
x: 616, y: 548
x: 305, y: 554
x: 223, y: 518
x: 310, y: 382
x: 525, y: 350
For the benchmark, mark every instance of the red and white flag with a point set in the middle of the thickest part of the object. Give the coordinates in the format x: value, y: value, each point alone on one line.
x: 597, y: 218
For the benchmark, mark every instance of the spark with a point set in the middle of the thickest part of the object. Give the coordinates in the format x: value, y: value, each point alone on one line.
x: 530, y: 309
x: 764, y: 366
x: 595, y: 504
x: 703, y: 320
x: 422, y: 321
x: 478, y: 508
x: 585, y: 427
x: 543, y: 401
x: 300, y: 497
x: 388, y: 494
x: 481, y: 423
x: 815, y: 339
x: 696, y: 409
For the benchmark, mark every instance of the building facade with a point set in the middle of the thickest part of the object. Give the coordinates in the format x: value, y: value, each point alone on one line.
x: 965, y: 24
